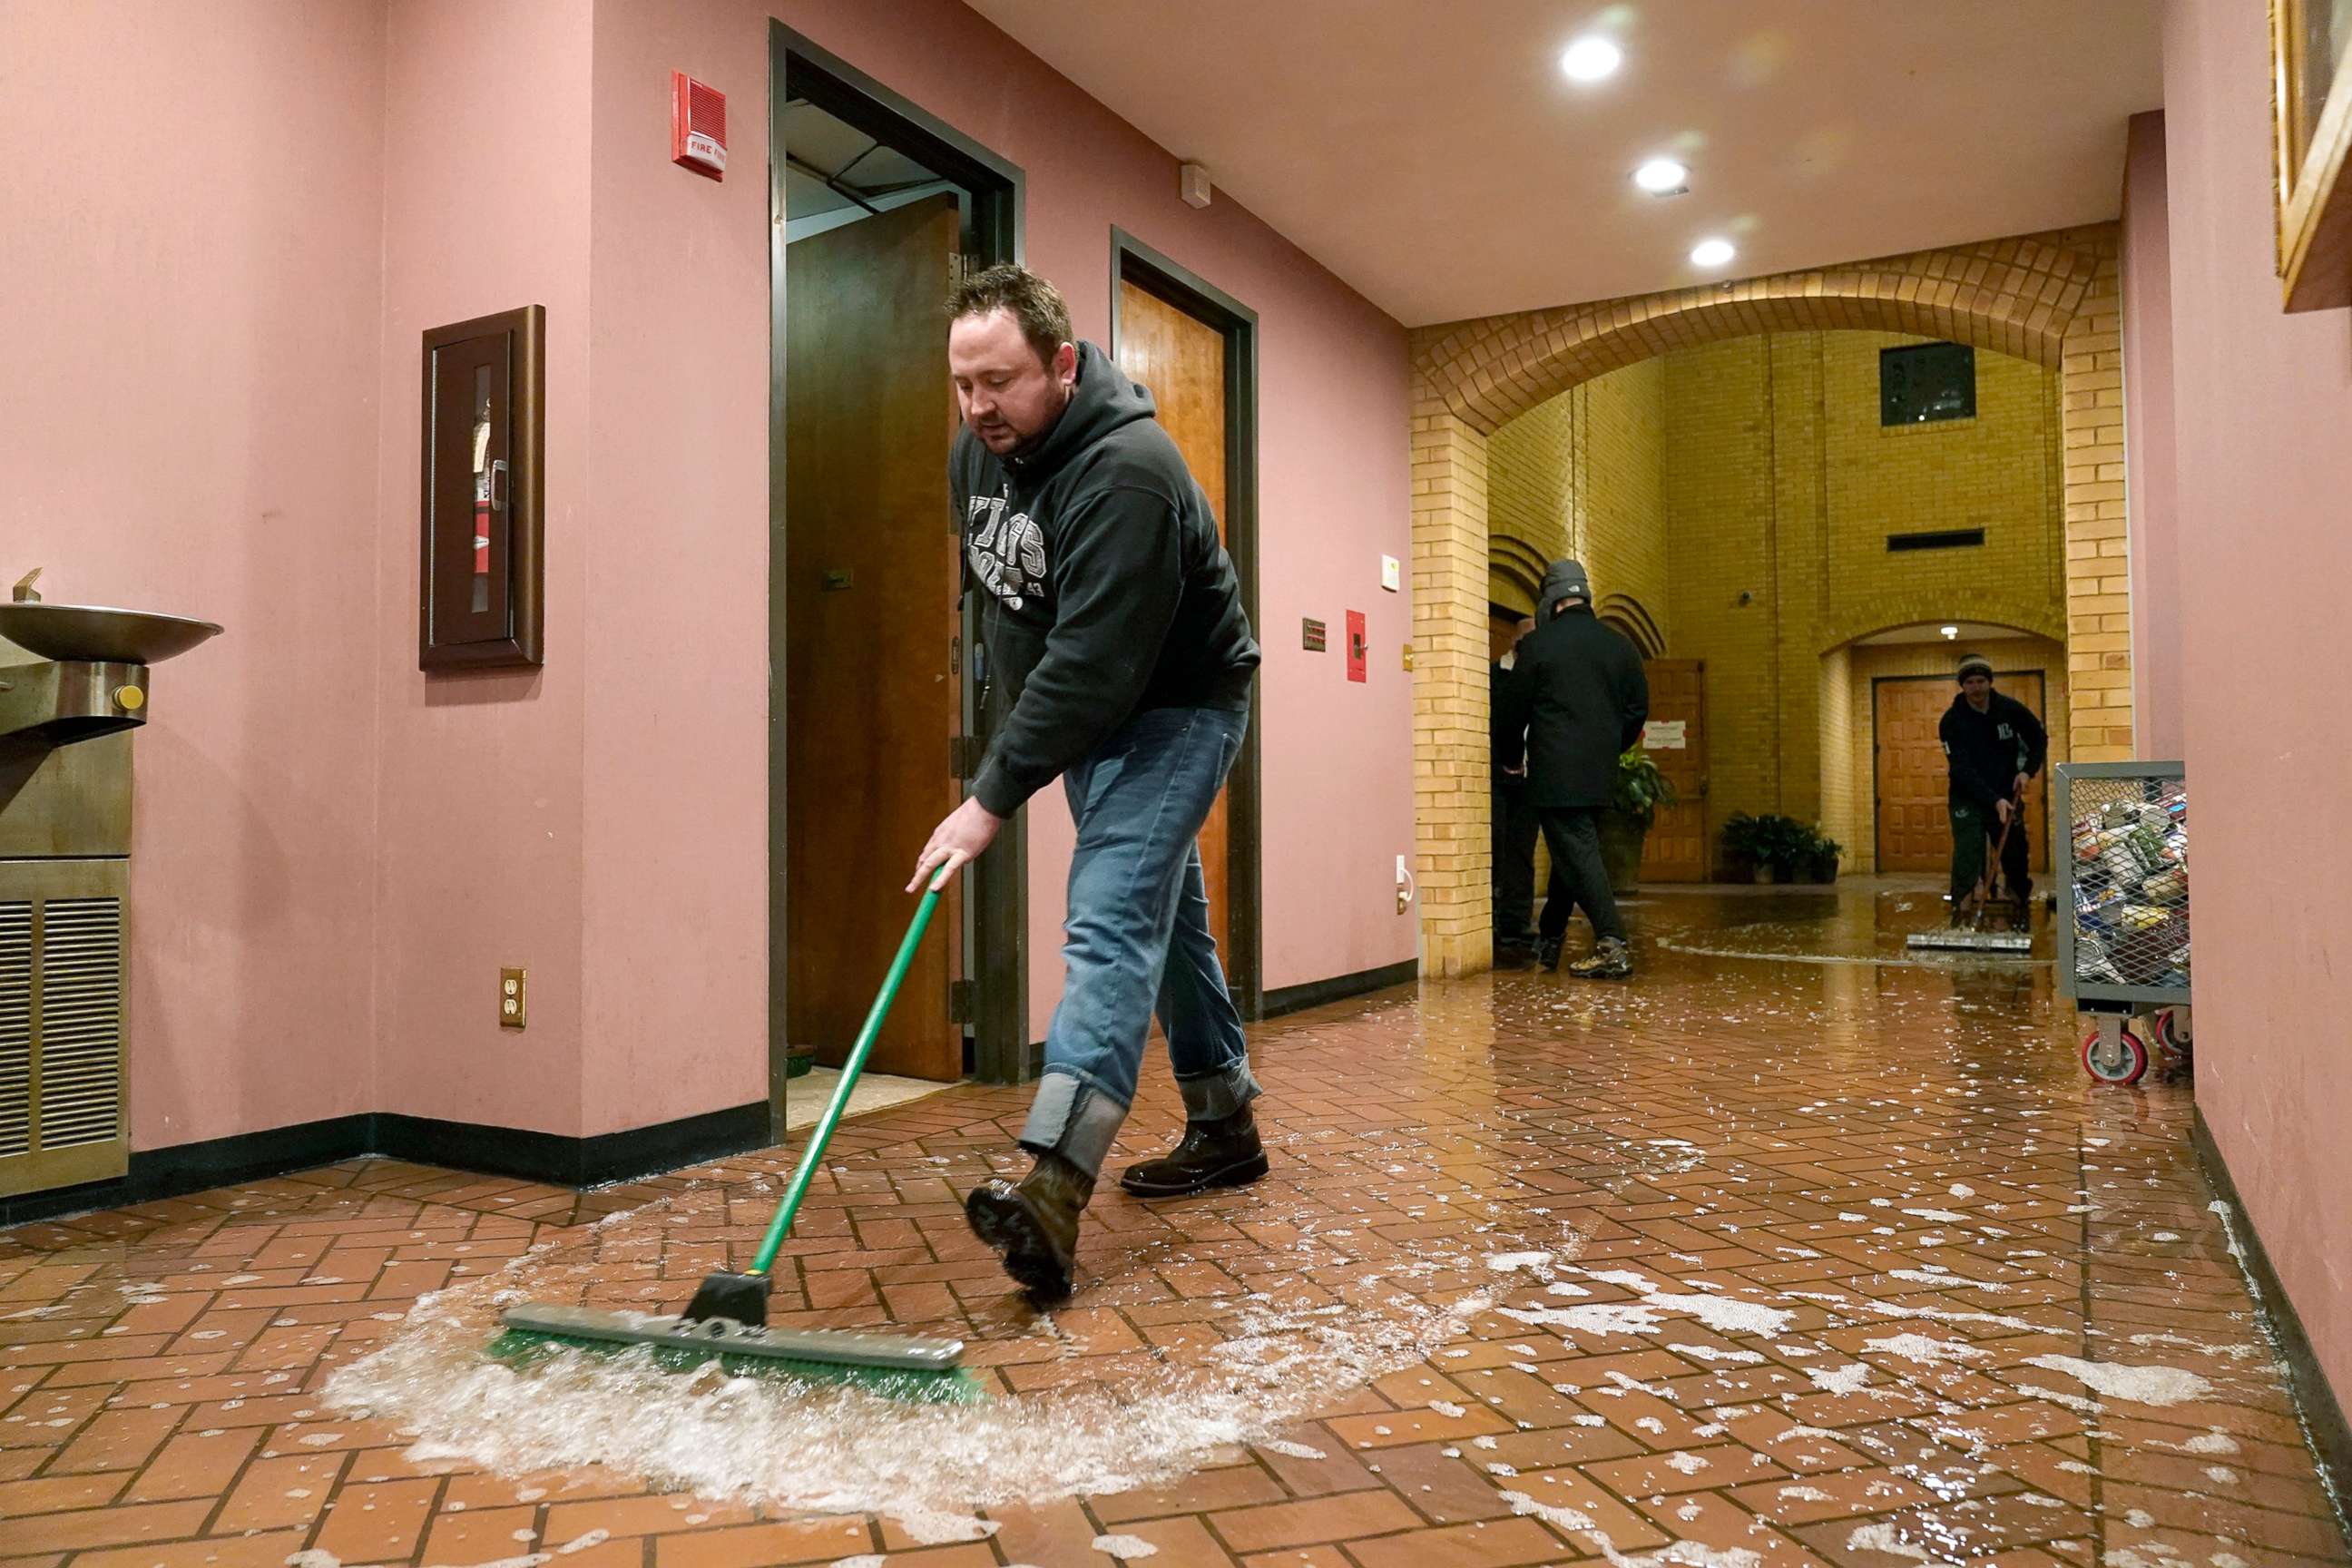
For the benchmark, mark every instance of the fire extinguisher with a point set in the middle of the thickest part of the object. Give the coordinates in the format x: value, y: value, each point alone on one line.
x: 482, y: 507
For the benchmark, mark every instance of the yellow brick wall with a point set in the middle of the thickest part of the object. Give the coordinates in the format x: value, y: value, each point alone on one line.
x: 1840, y: 755
x: 1530, y: 476
x: 1584, y: 475
x: 1618, y: 487
x: 1857, y: 826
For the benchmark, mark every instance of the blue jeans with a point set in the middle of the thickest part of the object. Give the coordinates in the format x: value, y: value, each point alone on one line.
x: 1137, y: 940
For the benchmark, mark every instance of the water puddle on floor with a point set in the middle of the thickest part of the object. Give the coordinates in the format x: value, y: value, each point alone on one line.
x: 1264, y: 1365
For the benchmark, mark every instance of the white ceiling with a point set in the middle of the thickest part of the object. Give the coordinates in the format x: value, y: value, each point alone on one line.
x: 1434, y: 155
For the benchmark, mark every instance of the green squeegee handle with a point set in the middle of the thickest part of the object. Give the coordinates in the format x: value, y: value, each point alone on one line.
x: 814, y: 1155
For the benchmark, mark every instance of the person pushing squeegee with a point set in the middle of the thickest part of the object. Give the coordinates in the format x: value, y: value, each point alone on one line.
x: 1994, y: 745
x: 1118, y: 642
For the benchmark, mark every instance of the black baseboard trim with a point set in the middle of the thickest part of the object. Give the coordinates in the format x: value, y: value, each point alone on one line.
x: 1339, y: 988
x: 2323, y: 1417
x: 543, y: 1157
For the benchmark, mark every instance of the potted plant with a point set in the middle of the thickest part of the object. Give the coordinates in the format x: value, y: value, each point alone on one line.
x: 1826, y: 850
x: 1776, y: 848
x: 1745, y: 843
x: 1633, y: 804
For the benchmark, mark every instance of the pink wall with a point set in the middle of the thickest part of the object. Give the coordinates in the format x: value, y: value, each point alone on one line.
x: 2263, y: 403
x: 2148, y: 475
x: 1338, y: 770
x: 187, y: 423
x: 479, y: 786
x: 213, y: 409
x: 674, y: 901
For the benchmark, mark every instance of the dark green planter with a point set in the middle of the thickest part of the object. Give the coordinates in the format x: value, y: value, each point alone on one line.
x: 1621, y: 850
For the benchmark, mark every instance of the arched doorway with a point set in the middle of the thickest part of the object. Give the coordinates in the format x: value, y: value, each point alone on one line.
x: 2052, y: 298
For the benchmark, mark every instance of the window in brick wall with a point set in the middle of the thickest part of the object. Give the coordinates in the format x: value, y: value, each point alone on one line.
x: 1927, y: 382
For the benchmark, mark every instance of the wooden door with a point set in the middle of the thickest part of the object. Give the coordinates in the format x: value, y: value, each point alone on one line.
x: 1675, y: 850
x: 1913, y: 781
x: 871, y: 687
x: 1182, y: 359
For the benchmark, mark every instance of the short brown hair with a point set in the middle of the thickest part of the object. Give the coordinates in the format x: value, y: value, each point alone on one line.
x: 1039, y: 307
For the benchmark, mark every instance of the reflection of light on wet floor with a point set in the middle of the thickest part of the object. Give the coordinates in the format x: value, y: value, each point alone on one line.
x: 1862, y: 1222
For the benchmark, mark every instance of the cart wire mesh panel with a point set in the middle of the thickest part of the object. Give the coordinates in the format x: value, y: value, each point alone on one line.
x: 2123, y: 926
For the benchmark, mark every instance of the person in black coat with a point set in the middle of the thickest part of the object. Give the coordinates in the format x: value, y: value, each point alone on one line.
x: 1515, y: 819
x: 1995, y: 746
x: 1579, y: 699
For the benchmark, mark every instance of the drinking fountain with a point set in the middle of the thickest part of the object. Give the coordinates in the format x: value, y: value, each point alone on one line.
x: 91, y: 675
x: 74, y: 685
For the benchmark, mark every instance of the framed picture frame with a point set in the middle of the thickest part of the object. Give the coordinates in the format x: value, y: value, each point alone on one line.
x: 478, y: 590
x: 2311, y: 101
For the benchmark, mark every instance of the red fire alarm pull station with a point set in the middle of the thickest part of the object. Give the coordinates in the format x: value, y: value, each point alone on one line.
x: 1356, y: 646
x: 698, y: 126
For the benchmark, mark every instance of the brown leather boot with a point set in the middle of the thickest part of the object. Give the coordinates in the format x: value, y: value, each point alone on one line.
x: 1033, y: 1225
x: 1224, y: 1152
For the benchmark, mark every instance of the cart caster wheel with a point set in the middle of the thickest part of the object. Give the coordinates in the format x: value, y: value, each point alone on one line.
x: 2172, y: 1030
x: 2124, y: 1062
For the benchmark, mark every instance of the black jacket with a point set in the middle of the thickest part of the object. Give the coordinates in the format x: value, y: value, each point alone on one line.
x: 1581, y: 698
x: 1107, y: 589
x: 1989, y: 750
x: 1502, y: 705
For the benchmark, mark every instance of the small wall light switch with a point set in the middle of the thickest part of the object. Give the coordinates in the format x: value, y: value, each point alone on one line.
x: 514, y: 997
x: 1391, y: 573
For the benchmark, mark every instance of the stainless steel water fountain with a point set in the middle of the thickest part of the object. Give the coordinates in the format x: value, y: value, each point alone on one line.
x: 74, y: 682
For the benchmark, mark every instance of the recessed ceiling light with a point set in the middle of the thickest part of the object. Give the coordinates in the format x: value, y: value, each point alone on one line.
x: 1951, y: 634
x: 1663, y: 177
x: 1591, y: 59
x: 1712, y: 253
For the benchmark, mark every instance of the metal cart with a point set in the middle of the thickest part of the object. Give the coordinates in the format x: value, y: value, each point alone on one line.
x: 2123, y: 911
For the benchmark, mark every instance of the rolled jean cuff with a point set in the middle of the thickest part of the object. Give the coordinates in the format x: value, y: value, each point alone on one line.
x: 1213, y: 1096
x: 1072, y: 1118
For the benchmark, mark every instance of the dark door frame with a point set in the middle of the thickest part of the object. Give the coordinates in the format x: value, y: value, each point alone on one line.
x: 997, y: 888
x: 1132, y: 261
x: 1878, y: 805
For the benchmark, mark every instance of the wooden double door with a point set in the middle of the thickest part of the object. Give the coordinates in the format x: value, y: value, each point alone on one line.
x: 1914, y: 780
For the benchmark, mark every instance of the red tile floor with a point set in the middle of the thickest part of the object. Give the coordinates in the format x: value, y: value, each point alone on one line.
x: 1753, y: 1261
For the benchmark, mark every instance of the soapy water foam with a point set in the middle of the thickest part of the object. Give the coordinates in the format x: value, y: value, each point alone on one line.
x: 809, y: 1448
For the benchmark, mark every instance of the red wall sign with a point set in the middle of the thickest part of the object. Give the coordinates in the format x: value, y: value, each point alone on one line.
x: 1356, y: 649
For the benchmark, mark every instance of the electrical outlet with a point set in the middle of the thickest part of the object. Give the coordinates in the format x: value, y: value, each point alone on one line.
x: 514, y: 999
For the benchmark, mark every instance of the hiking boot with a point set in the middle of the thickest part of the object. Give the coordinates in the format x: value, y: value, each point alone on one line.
x: 1546, y: 953
x: 2021, y: 915
x: 1221, y: 1154
x: 1033, y: 1225
x: 1610, y: 959
x: 1514, y: 955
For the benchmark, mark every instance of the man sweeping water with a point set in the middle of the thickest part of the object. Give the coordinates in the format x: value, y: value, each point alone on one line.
x: 1120, y: 660
x: 1995, y: 746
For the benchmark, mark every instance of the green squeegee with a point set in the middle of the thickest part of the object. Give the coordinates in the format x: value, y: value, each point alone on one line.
x: 727, y: 1319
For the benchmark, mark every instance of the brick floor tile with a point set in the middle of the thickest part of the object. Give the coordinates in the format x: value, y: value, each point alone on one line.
x: 277, y: 1493
x: 1230, y: 1486
x: 376, y: 1522
x: 207, y: 1551
x: 1343, y: 1518
x: 480, y: 1534
x: 106, y: 1526
x: 195, y: 1464
x: 1504, y: 1544
x: 567, y: 1521
x: 60, y: 1493
x: 762, y: 1545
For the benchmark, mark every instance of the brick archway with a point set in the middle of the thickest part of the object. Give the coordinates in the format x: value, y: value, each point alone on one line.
x: 2053, y: 299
